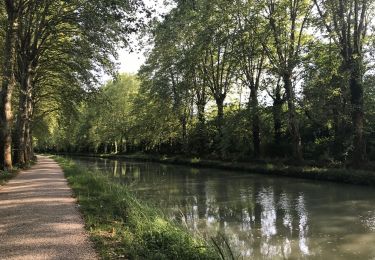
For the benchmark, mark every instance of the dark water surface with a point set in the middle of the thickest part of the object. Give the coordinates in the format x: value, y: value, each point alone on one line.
x: 263, y: 217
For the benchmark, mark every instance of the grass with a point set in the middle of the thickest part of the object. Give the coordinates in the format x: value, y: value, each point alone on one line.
x: 123, y: 227
x: 5, y: 176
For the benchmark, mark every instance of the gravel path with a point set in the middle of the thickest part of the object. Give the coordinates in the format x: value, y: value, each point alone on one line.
x: 39, y: 218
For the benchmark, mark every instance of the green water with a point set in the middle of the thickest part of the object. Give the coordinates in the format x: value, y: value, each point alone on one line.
x: 263, y: 217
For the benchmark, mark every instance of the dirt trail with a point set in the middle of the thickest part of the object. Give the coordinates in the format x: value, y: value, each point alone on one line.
x: 39, y: 218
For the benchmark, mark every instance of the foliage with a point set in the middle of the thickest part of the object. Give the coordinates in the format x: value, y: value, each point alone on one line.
x: 258, y: 79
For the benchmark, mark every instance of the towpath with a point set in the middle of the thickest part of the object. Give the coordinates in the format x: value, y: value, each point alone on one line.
x: 39, y: 218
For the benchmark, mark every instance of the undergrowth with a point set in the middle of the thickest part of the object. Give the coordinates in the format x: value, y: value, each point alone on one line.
x: 5, y: 176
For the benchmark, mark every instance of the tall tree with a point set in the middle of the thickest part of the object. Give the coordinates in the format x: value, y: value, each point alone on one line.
x: 13, y: 12
x: 287, y: 21
x: 217, y: 40
x: 63, y: 31
x: 252, y: 59
x: 346, y: 22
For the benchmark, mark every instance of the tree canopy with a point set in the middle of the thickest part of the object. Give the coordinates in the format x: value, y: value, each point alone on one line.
x: 282, y: 79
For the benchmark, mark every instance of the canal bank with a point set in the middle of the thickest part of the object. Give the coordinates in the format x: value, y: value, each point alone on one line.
x: 340, y: 175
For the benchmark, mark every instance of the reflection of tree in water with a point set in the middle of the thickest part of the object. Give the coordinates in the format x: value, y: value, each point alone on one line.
x: 256, y: 219
x: 303, y: 227
x: 268, y: 223
x: 285, y: 206
x: 263, y: 218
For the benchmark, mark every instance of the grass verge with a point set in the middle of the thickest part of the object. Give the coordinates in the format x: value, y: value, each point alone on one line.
x: 123, y: 227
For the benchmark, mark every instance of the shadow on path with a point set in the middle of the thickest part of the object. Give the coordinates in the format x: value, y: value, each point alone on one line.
x: 39, y: 218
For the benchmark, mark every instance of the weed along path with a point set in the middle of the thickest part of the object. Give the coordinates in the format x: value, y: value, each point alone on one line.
x: 39, y: 218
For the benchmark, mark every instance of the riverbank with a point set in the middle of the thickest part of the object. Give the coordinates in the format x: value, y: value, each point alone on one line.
x: 342, y: 175
x: 123, y: 227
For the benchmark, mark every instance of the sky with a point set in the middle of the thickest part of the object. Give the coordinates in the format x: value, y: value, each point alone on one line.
x: 130, y: 62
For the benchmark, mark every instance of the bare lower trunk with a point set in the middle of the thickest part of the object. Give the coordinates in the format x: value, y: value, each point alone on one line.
x: 220, y: 115
x: 201, y: 128
x: 220, y: 125
x: 293, y: 122
x: 277, y: 122
x: 29, y: 137
x: 29, y: 151
x: 6, y: 125
x: 356, y: 91
x: 183, y: 121
x: 20, y: 137
x: 255, y: 121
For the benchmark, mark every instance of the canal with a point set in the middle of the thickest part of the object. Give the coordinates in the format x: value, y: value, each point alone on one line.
x: 263, y: 217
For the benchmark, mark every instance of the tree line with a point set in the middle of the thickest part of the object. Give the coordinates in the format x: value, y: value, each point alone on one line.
x: 246, y: 79
x: 51, y: 55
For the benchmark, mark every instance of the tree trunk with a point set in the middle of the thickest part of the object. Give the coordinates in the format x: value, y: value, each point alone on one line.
x: 220, y: 115
x: 254, y: 104
x: 356, y: 91
x: 183, y: 121
x: 201, y: 114
x: 29, y: 137
x: 20, y: 140
x: 22, y: 155
x: 293, y: 122
x: 277, y: 114
x: 201, y: 128
x: 8, y: 83
x: 220, y: 125
x: 29, y: 151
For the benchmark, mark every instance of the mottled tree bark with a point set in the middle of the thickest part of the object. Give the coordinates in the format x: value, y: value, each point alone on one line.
x: 25, y: 107
x: 7, y: 86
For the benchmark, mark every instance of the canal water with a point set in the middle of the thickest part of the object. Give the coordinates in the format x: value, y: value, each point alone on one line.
x: 263, y: 217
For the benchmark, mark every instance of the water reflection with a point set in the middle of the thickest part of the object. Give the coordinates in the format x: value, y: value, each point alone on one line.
x: 263, y: 217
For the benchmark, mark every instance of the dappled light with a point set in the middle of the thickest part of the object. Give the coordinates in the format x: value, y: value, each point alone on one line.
x: 39, y: 217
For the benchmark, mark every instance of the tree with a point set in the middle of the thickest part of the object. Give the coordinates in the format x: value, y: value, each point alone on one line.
x: 287, y: 21
x: 63, y: 31
x: 217, y: 42
x: 252, y: 59
x: 14, y: 10
x: 346, y: 22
